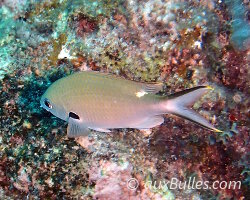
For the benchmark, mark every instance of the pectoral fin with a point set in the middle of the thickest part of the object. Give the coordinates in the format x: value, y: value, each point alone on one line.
x: 76, y: 129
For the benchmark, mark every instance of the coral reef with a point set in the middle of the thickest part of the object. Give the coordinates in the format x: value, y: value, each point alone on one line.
x: 179, y: 43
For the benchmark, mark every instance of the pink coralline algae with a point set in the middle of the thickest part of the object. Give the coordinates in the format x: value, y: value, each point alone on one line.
x: 111, y: 181
x: 84, y: 25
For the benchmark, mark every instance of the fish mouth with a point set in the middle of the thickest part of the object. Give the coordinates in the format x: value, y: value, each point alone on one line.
x: 42, y: 105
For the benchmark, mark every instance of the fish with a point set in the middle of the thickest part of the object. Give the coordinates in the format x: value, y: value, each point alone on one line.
x: 98, y: 101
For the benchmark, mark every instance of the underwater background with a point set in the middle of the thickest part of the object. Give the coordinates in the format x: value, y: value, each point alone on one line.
x: 179, y: 43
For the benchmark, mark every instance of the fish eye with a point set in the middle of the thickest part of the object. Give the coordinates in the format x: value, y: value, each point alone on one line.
x: 47, y: 103
x: 73, y: 115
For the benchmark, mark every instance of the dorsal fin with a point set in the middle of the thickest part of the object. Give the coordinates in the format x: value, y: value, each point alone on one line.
x: 152, y: 88
x: 103, y: 74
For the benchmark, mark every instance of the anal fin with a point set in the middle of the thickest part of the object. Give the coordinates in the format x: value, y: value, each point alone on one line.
x: 149, y: 122
x: 101, y: 130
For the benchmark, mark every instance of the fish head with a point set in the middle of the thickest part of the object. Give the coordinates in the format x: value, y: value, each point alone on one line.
x: 52, y: 101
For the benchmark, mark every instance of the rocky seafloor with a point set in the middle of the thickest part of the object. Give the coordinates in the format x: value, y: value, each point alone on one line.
x: 179, y: 43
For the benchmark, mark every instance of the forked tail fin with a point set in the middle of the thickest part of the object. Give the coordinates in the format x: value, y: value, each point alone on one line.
x: 178, y: 104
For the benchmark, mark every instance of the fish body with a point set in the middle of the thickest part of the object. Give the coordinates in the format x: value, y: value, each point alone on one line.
x: 92, y: 100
